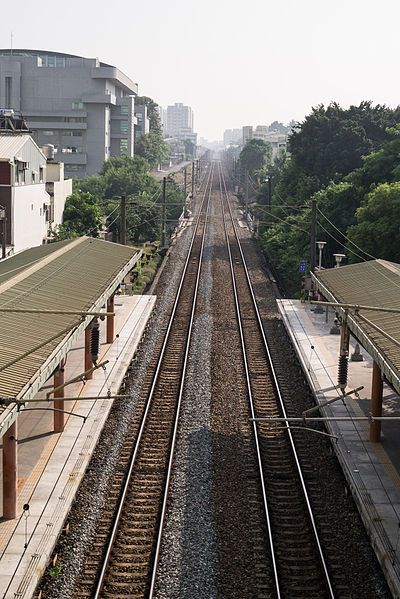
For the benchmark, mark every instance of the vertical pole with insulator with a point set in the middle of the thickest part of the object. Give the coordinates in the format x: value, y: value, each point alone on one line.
x: 123, y: 221
x: 269, y: 192
x: 246, y: 179
x: 163, y: 212
x: 313, y: 233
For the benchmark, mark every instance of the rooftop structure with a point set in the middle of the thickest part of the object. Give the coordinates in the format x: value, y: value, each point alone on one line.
x: 373, y: 283
x: 82, y: 106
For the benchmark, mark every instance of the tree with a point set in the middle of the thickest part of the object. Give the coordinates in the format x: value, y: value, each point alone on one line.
x: 377, y: 230
x: 152, y: 147
x: 152, y: 112
x: 81, y: 216
x: 93, y: 185
x: 255, y: 155
x: 124, y: 175
x: 189, y: 148
x: 331, y: 141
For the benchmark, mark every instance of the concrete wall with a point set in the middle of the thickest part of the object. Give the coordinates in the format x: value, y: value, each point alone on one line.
x: 58, y: 188
x: 29, y: 226
x: 67, y: 105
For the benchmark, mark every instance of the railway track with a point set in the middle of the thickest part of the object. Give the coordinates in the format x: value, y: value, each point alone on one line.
x: 268, y: 542
x: 133, y: 524
x: 298, y: 565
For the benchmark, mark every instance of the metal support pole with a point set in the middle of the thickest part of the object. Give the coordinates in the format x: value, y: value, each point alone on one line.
x: 269, y: 192
x: 59, y: 418
x: 163, y: 224
x: 80, y: 377
x: 184, y: 181
x: 246, y: 197
x: 313, y: 233
x: 123, y: 221
x: 376, y: 403
x: 10, y: 472
x: 193, y: 179
x: 110, y: 320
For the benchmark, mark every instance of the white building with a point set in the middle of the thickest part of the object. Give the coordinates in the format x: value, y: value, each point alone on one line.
x: 58, y: 189
x: 28, y: 206
x: 179, y: 120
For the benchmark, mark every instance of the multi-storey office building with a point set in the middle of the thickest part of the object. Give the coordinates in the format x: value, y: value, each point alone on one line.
x: 82, y: 106
x: 179, y: 120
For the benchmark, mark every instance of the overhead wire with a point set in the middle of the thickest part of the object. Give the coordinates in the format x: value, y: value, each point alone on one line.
x: 345, y: 236
x: 284, y: 221
x: 339, y: 242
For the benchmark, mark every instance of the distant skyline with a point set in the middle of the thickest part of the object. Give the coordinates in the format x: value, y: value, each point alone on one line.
x: 235, y: 64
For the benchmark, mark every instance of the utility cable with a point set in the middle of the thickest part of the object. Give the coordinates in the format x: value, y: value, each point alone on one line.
x: 345, y: 236
x: 285, y: 221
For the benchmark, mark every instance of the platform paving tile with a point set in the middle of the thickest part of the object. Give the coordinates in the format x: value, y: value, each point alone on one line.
x: 59, y: 474
x: 371, y: 469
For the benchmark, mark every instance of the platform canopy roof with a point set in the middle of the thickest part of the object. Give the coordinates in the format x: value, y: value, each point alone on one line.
x: 73, y: 275
x: 375, y: 283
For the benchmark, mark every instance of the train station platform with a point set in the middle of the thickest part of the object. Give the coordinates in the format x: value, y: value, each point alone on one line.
x: 51, y: 464
x: 372, y: 469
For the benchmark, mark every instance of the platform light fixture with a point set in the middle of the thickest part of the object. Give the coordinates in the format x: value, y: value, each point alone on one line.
x: 339, y: 258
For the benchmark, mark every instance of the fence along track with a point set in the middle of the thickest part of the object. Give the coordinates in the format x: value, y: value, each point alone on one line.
x: 128, y: 562
x: 295, y: 550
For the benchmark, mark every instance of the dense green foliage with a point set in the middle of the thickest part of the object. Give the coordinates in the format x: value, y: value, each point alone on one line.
x: 151, y: 146
x: 96, y: 202
x: 81, y: 216
x: 255, y: 155
x: 349, y: 161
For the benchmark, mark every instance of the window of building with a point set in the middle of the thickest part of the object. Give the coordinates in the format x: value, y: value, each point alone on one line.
x: 41, y: 173
x: 52, y: 61
x: 8, y: 83
x: 48, y: 133
x: 74, y: 167
x: 77, y: 105
x: 123, y: 146
x: 124, y: 109
x: 77, y: 133
x: 124, y: 126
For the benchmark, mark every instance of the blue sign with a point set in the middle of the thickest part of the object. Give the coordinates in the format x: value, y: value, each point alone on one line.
x: 303, y: 266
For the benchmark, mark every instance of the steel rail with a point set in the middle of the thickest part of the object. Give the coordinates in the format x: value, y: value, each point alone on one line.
x: 279, y: 395
x: 180, y: 394
x: 100, y: 582
x: 250, y: 396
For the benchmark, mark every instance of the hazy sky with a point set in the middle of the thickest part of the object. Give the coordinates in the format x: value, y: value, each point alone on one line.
x: 236, y: 63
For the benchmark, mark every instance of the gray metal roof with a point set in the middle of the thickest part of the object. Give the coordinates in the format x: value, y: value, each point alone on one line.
x: 78, y: 274
x: 373, y: 283
x: 10, y: 145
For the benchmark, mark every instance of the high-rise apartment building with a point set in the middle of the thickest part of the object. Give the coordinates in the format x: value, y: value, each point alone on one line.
x: 82, y: 106
x: 179, y: 120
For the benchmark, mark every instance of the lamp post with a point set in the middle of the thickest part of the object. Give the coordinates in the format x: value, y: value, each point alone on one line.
x: 268, y: 181
x: 339, y: 258
x: 321, y: 245
x: 3, y: 220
